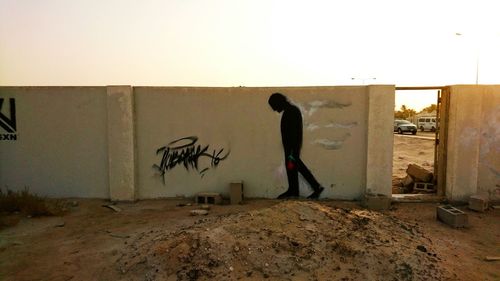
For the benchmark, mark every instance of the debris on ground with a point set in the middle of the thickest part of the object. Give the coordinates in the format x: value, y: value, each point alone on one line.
x: 118, y: 235
x: 205, y: 207
x: 183, y: 204
x: 60, y: 224
x: 198, y: 212
x: 112, y: 207
x: 417, y: 180
x: 293, y: 240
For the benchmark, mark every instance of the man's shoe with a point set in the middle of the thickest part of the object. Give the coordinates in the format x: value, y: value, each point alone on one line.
x: 316, y: 193
x: 288, y: 195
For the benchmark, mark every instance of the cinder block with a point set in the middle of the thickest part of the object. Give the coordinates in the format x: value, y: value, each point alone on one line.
x: 424, y: 186
x: 376, y: 202
x: 236, y: 192
x: 452, y: 216
x: 208, y: 198
x: 478, y: 203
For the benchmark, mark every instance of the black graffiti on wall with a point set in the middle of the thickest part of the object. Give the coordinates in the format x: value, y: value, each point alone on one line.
x: 8, y: 123
x: 186, y: 152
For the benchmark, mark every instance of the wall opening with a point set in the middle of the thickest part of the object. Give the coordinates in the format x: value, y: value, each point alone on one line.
x: 417, y: 120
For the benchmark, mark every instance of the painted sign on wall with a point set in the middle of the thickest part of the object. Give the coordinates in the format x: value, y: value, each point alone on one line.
x: 186, y: 152
x: 8, y: 121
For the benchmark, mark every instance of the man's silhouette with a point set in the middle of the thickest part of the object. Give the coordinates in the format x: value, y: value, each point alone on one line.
x: 291, y: 136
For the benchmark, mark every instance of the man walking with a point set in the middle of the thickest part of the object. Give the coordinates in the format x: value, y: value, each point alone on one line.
x: 291, y: 136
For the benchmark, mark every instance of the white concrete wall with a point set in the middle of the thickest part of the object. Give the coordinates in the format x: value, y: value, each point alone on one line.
x: 473, y: 164
x: 103, y: 141
x: 61, y: 146
x: 488, y: 178
x: 240, y: 120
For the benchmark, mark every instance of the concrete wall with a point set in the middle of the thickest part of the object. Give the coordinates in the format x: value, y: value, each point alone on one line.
x: 61, y: 146
x: 473, y: 164
x: 240, y: 121
x: 105, y: 141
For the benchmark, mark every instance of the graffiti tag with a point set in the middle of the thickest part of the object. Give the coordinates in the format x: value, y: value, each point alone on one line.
x: 187, y: 153
x: 8, y: 123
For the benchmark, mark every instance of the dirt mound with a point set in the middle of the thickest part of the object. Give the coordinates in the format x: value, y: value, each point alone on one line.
x: 293, y: 240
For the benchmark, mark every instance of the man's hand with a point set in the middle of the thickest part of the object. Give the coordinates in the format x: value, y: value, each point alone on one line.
x: 290, y: 162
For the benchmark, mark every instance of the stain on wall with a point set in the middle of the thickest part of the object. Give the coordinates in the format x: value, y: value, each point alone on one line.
x: 328, y: 141
x: 332, y: 125
x: 311, y: 107
x: 330, y: 144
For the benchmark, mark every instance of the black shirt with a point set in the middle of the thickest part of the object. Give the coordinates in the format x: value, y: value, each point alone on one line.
x: 291, y: 130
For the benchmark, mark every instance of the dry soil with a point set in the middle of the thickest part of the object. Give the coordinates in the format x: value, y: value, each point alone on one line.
x: 262, y: 239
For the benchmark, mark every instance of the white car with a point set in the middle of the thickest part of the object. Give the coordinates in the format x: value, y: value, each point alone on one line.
x: 427, y: 124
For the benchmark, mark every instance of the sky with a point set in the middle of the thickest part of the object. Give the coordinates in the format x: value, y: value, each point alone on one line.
x: 250, y: 43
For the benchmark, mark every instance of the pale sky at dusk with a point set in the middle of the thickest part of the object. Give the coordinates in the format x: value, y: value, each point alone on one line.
x: 248, y: 43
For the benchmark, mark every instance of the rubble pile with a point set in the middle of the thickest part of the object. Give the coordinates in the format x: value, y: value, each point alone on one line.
x: 417, y: 180
x: 293, y: 240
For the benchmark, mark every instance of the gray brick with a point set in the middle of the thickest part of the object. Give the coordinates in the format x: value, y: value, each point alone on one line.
x: 236, y: 192
x: 208, y: 198
x: 478, y: 203
x: 452, y: 216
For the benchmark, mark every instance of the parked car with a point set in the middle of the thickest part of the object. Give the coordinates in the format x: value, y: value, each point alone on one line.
x: 403, y: 126
x: 427, y: 124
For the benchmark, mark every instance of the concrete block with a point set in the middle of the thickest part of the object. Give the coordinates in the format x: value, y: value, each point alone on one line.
x: 452, y: 216
x: 424, y: 186
x: 407, y: 181
x: 208, y: 198
x: 418, y: 173
x: 376, y: 202
x: 478, y: 203
x: 236, y: 192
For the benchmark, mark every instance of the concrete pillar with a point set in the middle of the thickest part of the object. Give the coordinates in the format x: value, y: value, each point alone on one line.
x: 380, y: 139
x: 464, y: 130
x: 121, y: 145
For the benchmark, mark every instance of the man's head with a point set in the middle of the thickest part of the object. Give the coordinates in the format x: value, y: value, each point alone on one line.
x: 278, y: 102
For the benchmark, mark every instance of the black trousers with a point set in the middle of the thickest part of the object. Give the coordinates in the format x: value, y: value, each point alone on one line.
x: 293, y: 176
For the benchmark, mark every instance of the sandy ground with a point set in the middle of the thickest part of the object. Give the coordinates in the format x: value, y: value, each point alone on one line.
x: 410, y: 149
x: 262, y: 239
